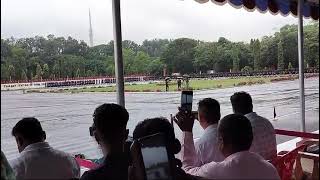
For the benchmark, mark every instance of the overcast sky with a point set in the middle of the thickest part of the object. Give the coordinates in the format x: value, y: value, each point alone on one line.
x: 141, y: 19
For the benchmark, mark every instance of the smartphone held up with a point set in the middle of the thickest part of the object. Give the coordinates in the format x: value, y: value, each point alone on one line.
x: 186, y: 100
x: 152, y: 159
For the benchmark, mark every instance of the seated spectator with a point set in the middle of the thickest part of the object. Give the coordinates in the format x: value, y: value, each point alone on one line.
x: 110, y: 121
x: 264, y: 137
x: 162, y: 125
x: 235, y: 138
x: 38, y: 160
x: 6, y: 170
x: 207, y: 146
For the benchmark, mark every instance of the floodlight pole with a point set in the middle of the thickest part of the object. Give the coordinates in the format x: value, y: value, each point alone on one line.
x: 301, y: 64
x: 118, y: 51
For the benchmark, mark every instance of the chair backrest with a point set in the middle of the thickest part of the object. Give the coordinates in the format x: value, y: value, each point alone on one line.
x: 86, y: 163
x: 284, y: 164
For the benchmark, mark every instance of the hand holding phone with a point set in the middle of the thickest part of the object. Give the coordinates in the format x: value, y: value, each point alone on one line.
x: 152, y: 159
x: 185, y: 120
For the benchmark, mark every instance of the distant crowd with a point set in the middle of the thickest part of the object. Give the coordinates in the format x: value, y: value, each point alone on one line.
x: 237, y: 146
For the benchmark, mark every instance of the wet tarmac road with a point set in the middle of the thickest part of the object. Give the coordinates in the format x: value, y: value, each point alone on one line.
x: 66, y: 117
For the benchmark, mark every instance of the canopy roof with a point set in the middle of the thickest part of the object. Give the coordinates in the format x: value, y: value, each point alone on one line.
x: 310, y: 7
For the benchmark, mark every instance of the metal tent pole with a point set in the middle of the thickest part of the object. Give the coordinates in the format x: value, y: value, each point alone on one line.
x: 118, y: 51
x: 301, y: 64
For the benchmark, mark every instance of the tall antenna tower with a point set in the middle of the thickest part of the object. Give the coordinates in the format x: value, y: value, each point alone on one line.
x: 90, y: 30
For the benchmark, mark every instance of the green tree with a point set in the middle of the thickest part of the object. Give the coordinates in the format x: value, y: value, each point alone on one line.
x: 247, y: 69
x: 155, y: 67
x: 11, y: 72
x: 311, y: 44
x: 128, y: 59
x: 280, y: 56
x: 205, y: 56
x: 89, y: 73
x: 46, y: 72
x: 269, y: 52
x: 24, y: 75
x: 256, y: 49
x: 78, y: 73
x: 179, y: 55
x: 290, y: 65
x: 140, y: 62
x: 4, y: 72
x: 56, y: 71
x: 154, y: 47
x: 39, y: 72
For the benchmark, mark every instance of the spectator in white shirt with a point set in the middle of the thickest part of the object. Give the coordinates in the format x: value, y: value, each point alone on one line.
x: 207, y: 145
x: 264, y: 137
x: 37, y: 159
x: 235, y: 138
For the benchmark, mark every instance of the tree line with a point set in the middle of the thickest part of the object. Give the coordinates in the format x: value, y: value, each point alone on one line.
x: 58, y: 57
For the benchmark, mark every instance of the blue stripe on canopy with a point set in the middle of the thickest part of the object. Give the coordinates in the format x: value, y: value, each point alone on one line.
x: 310, y: 7
x: 262, y: 5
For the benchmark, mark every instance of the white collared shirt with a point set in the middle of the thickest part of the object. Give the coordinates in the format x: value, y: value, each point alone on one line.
x: 240, y: 165
x: 264, y: 137
x: 207, y: 148
x: 41, y: 161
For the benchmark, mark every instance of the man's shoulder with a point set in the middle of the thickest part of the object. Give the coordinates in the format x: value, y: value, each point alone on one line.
x: 17, y: 162
x: 257, y: 119
x: 62, y: 156
x: 60, y: 153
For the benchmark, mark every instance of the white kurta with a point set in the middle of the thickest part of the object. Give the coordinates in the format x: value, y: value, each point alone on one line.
x: 241, y: 165
x: 41, y: 161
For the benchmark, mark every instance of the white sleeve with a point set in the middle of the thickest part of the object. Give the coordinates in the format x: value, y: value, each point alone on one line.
x: 189, y: 158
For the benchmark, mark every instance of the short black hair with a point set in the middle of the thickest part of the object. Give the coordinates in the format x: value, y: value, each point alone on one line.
x: 29, y: 128
x: 241, y: 102
x: 210, y: 109
x: 152, y: 126
x: 236, y: 130
x: 109, y: 119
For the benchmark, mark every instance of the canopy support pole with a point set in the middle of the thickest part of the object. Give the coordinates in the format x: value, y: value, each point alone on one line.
x: 118, y: 51
x: 301, y: 64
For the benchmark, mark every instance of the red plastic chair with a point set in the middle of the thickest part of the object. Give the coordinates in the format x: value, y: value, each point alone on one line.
x: 284, y: 163
x: 86, y: 163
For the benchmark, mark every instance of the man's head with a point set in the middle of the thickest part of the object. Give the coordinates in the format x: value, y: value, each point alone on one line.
x: 235, y: 134
x: 241, y: 103
x: 28, y: 131
x: 209, y: 111
x: 158, y: 125
x: 109, y: 122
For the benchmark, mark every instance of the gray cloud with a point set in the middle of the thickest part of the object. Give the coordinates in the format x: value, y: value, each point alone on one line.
x: 141, y: 19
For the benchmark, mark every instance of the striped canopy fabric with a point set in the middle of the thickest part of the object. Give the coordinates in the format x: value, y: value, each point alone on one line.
x: 284, y: 7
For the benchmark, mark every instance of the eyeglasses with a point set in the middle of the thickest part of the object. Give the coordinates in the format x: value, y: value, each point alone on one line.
x: 91, y: 130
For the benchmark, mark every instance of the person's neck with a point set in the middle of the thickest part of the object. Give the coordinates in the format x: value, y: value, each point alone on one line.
x: 205, y: 125
x: 244, y: 112
x: 113, y: 149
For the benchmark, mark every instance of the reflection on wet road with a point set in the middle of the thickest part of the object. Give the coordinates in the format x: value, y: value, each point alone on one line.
x: 66, y: 117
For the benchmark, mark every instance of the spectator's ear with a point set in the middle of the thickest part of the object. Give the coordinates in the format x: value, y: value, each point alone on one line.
x: 127, y: 133
x: 20, y: 144
x: 44, y: 135
x: 177, y: 146
x: 200, y: 117
x: 19, y: 141
x: 96, y: 136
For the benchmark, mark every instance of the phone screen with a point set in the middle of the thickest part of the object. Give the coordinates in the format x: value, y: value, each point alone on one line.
x: 155, y: 158
x: 186, y: 100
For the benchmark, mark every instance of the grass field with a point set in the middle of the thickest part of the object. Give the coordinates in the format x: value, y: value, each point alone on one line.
x: 193, y: 84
